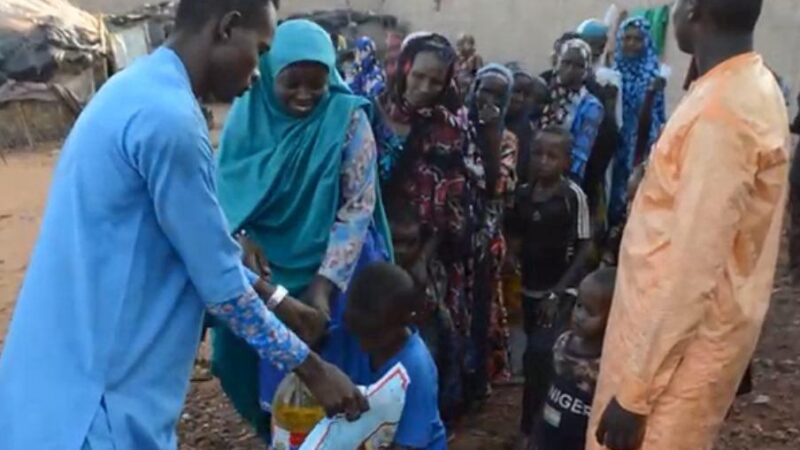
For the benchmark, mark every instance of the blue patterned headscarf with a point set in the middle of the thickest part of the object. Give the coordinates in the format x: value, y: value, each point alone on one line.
x: 369, y: 79
x: 637, y: 75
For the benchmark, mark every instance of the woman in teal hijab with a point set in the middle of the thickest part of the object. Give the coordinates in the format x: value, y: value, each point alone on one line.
x: 298, y: 176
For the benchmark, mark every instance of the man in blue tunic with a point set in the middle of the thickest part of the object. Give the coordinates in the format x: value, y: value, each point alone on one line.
x: 133, y: 248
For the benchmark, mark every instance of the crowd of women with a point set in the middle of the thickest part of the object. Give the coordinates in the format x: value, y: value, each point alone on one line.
x: 473, y: 178
x: 332, y: 155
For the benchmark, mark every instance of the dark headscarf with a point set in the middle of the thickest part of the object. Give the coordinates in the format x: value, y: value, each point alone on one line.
x: 522, y: 126
x: 435, y: 128
x: 413, y: 45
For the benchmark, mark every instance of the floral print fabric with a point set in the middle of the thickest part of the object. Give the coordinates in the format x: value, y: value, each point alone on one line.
x: 358, y: 199
x: 249, y: 319
x: 368, y: 79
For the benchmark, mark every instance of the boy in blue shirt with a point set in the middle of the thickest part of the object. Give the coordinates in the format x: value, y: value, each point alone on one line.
x: 383, y: 301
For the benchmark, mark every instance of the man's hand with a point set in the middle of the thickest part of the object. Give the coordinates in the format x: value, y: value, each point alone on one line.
x: 332, y: 389
x: 318, y: 295
x: 620, y: 429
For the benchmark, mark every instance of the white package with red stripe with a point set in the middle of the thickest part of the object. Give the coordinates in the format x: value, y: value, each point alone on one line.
x: 376, y: 428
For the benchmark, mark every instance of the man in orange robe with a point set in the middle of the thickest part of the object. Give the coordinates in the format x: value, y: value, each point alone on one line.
x: 700, y: 249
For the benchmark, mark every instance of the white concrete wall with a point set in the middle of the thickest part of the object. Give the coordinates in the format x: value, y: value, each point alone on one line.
x: 525, y: 29
x: 111, y: 6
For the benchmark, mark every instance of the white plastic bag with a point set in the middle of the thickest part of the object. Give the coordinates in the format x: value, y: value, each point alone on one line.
x: 376, y: 428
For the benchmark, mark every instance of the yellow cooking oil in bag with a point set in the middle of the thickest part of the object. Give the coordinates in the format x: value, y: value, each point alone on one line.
x: 295, y: 412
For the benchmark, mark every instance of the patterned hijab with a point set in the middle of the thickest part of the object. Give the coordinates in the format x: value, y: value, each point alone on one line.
x: 436, y: 128
x: 565, y: 100
x: 637, y: 73
x: 449, y: 101
x: 369, y: 79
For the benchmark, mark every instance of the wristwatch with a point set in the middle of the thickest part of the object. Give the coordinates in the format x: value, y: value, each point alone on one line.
x: 277, y: 298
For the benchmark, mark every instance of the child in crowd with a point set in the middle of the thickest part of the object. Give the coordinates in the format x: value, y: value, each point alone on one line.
x: 382, y: 305
x: 469, y: 61
x: 562, y: 423
x: 414, y: 255
x: 530, y: 96
x: 550, y: 232
x: 414, y: 252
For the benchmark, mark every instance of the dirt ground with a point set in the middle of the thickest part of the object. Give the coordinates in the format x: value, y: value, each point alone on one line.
x: 24, y: 181
x: 768, y: 419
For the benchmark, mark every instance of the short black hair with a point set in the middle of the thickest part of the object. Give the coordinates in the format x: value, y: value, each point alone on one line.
x: 606, y: 279
x: 383, y: 287
x: 193, y: 14
x: 559, y: 132
x: 739, y: 16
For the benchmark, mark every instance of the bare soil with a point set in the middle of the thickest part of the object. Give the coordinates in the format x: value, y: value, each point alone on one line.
x: 768, y: 419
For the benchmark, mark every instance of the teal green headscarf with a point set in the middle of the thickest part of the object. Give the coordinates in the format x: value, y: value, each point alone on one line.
x: 278, y: 179
x: 279, y: 175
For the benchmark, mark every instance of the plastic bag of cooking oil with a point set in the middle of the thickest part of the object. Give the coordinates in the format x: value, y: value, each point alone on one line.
x: 376, y: 428
x: 295, y: 412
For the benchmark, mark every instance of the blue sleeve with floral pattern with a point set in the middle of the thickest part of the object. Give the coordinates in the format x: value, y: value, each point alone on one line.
x: 249, y: 319
x: 357, y: 204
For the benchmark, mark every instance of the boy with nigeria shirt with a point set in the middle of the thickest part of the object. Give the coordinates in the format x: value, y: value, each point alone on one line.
x: 550, y: 233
